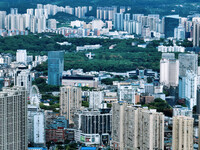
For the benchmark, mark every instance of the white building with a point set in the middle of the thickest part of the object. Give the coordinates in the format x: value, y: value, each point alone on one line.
x: 23, y: 79
x: 169, y: 72
x: 21, y: 56
x: 88, y: 47
x: 188, y: 88
x: 126, y: 93
x: 36, y: 126
x: 179, y: 33
x: 52, y: 24
x: 181, y: 111
x: 166, y: 49
x: 95, y: 99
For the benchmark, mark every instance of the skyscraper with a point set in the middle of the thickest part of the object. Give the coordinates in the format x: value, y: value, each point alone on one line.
x: 196, y: 34
x: 36, y: 126
x: 182, y: 136
x: 170, y: 23
x: 187, y: 62
x: 169, y: 72
x: 136, y: 128
x: 2, y: 19
x: 119, y: 21
x: 70, y: 101
x: 55, y: 67
x: 13, y: 119
x: 188, y: 88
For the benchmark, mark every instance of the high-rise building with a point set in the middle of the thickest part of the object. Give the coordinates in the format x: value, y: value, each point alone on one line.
x: 13, y: 11
x: 94, y: 126
x: 36, y: 126
x: 182, y: 136
x: 70, y: 101
x: 52, y: 24
x: 187, y: 62
x: 13, y: 118
x: 199, y: 132
x: 119, y: 21
x: 136, y: 128
x: 21, y: 56
x: 23, y: 79
x: 196, y: 34
x: 170, y: 23
x: 95, y: 99
x: 188, y: 88
x: 55, y: 67
x: 169, y: 72
x: 198, y: 100
x: 179, y: 33
x: 2, y: 19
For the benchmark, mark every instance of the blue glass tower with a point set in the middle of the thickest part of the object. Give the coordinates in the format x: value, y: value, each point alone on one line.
x: 55, y: 67
x: 170, y: 23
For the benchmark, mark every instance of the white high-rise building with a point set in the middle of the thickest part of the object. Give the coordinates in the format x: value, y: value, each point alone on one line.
x: 179, y: 33
x: 21, y: 56
x: 23, y: 79
x: 188, y: 88
x: 41, y: 24
x: 29, y: 11
x: 182, y: 136
x: 33, y: 24
x: 52, y: 24
x: 13, y: 119
x: 22, y: 23
x: 27, y: 18
x: 95, y: 99
x: 36, y: 126
x: 2, y: 19
x: 169, y: 72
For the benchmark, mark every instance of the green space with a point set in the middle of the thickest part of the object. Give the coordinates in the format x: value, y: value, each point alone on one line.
x: 161, y: 106
x: 45, y: 89
x: 123, y: 57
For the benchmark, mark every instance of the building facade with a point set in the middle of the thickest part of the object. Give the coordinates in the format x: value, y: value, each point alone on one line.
x: 169, y: 72
x: 13, y: 118
x: 136, y: 128
x: 182, y: 136
x: 95, y: 99
x: 187, y: 62
x: 55, y: 67
x: 70, y: 101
